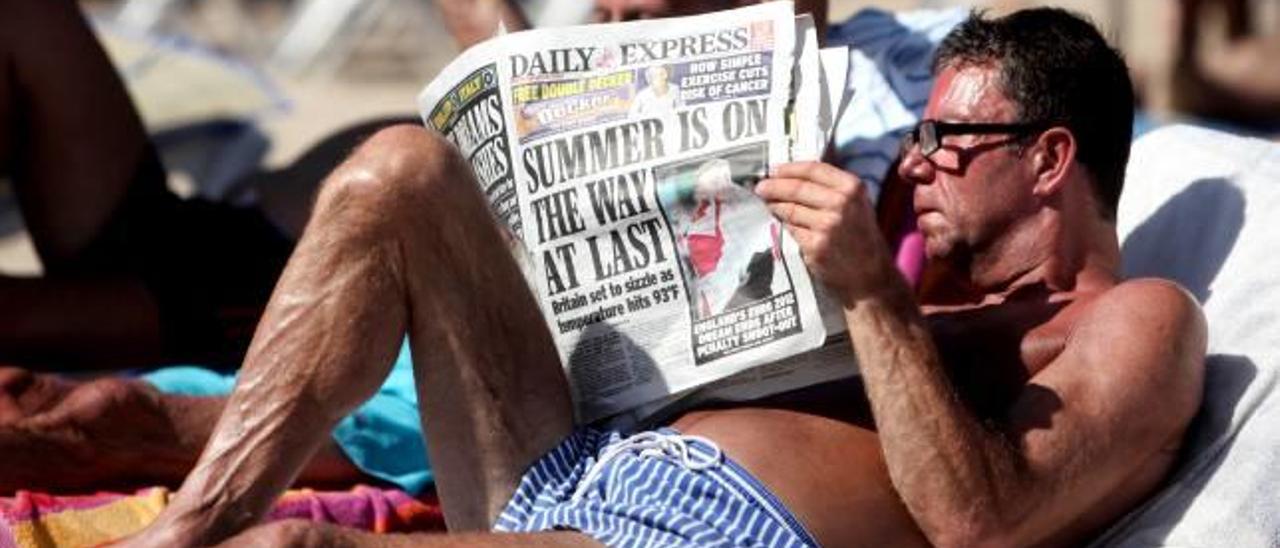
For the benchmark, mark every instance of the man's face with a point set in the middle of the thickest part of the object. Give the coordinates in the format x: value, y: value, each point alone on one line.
x: 974, y: 187
x: 607, y: 11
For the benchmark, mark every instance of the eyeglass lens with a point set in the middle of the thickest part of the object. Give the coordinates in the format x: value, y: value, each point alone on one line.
x: 924, y: 134
x: 928, y: 138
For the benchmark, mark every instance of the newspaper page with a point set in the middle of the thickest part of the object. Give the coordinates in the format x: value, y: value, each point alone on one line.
x: 622, y: 159
x: 818, y: 102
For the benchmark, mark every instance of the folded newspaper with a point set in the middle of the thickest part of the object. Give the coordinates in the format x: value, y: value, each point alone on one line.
x: 621, y: 159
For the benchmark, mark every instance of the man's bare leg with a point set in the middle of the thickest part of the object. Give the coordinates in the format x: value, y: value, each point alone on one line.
x: 62, y: 435
x: 401, y: 238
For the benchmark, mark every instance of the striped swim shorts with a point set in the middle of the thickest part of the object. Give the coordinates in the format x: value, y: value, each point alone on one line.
x: 655, y: 488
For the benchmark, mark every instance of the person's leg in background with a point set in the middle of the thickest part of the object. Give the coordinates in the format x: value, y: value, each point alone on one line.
x: 1227, y: 73
x: 84, y: 172
x: 133, y: 276
x: 75, y: 150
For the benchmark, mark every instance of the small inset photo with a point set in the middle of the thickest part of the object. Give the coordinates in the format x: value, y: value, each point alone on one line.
x: 659, y: 95
x: 728, y: 243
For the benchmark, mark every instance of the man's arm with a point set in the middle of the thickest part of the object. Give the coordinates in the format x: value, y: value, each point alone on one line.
x: 970, y: 483
x: 1083, y: 433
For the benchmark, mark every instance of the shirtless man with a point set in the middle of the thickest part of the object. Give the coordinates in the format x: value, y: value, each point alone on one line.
x: 1034, y: 411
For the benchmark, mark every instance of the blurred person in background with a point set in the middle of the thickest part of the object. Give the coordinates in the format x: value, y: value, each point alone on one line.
x: 135, y: 276
x: 1227, y: 67
x: 472, y: 21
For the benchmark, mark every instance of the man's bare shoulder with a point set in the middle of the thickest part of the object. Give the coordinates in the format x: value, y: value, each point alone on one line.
x: 1151, y: 311
x: 1147, y: 339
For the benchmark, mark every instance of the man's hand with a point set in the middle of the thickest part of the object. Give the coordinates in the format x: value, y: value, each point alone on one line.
x: 829, y: 214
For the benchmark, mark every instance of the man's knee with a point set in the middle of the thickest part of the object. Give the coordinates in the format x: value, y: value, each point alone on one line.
x: 400, y: 171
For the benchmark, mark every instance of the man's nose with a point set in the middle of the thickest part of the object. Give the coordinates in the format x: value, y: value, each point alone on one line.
x: 914, y: 167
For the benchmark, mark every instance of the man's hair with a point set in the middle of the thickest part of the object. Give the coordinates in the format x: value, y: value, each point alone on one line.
x: 1058, y: 69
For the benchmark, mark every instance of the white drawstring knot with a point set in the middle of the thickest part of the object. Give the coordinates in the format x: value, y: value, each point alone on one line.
x: 656, y: 445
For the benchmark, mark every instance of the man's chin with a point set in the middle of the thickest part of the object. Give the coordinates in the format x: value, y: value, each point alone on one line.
x: 936, y: 248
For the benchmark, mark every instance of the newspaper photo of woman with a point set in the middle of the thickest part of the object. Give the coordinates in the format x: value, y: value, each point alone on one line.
x: 659, y: 96
x: 729, y: 244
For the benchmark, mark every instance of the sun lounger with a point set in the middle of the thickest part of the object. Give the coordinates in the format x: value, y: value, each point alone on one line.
x: 1198, y: 207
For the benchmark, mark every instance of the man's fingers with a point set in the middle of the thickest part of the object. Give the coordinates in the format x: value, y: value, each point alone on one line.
x: 804, y: 237
x: 822, y: 173
x: 795, y: 214
x: 799, y: 191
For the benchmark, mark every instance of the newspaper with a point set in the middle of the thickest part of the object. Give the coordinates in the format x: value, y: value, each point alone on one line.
x: 622, y: 160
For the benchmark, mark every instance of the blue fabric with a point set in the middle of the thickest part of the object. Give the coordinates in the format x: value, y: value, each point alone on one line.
x: 595, y: 483
x: 383, y: 437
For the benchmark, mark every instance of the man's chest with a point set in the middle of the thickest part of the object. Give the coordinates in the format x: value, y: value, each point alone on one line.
x: 991, y: 354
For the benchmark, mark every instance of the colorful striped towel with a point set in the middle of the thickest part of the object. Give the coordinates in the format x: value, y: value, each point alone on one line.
x: 31, y: 520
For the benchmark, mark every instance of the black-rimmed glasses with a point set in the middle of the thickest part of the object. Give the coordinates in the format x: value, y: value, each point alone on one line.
x: 929, y: 133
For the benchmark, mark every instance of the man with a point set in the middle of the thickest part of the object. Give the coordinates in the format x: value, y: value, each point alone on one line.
x: 1036, y: 410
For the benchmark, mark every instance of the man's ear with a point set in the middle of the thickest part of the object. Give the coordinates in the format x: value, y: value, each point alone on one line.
x: 1051, y: 157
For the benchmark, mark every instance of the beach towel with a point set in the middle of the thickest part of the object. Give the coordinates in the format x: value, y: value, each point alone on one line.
x: 383, y: 437
x: 38, y: 520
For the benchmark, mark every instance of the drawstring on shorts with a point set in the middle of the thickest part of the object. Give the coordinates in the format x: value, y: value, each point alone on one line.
x: 674, y: 447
